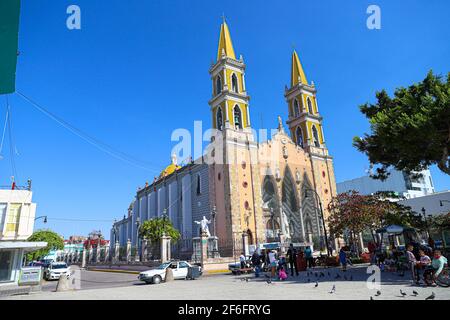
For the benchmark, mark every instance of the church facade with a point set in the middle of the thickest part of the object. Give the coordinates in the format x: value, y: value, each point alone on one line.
x: 253, y: 192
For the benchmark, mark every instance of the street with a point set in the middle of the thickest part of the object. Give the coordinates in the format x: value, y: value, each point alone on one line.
x: 349, y: 286
x: 97, y: 280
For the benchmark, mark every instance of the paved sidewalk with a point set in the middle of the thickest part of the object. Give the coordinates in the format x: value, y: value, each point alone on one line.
x: 235, y: 287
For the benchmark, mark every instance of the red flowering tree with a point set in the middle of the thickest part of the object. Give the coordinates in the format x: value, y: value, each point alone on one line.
x: 353, y: 213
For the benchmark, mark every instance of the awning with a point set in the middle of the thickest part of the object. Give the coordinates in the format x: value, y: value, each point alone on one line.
x: 26, y: 245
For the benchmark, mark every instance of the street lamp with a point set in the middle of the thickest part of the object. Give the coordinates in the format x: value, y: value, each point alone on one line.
x: 441, y: 202
x: 323, y: 219
x: 425, y: 220
x: 272, y: 216
x: 45, y: 218
x: 213, y: 216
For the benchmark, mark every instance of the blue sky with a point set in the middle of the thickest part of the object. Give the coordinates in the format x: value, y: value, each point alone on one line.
x: 137, y: 70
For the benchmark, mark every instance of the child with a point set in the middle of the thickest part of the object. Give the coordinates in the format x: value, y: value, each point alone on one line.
x: 343, y: 259
x: 282, y: 274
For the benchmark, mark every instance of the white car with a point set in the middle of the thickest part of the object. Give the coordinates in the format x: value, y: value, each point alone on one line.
x: 155, y: 276
x: 55, y: 270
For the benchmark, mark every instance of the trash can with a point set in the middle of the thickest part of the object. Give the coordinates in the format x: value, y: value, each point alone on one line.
x: 193, y: 273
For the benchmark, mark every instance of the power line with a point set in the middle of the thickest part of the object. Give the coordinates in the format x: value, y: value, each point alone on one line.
x: 90, y: 139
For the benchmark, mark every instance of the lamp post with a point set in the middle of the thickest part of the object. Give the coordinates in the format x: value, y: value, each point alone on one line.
x: 323, y: 219
x: 425, y: 220
x: 138, y: 223
x: 213, y: 216
x: 40, y: 217
x: 272, y: 216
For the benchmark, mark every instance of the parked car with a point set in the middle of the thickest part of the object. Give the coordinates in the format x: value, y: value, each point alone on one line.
x: 155, y: 276
x: 55, y: 270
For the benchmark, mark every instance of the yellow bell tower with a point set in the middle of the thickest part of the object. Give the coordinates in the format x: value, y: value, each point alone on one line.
x: 305, y: 122
x: 229, y: 102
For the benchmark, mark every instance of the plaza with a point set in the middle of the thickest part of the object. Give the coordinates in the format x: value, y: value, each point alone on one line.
x: 107, y: 286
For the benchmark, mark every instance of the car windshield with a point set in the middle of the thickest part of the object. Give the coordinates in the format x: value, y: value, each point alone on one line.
x: 59, y: 266
x: 164, y: 265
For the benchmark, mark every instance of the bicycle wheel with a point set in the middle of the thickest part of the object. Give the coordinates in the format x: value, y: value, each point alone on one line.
x: 443, y: 280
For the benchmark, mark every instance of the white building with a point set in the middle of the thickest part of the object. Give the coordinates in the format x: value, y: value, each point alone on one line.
x: 17, y: 214
x: 398, y: 181
x: 434, y: 204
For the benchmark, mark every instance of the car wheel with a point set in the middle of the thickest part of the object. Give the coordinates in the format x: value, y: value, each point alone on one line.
x: 157, y: 280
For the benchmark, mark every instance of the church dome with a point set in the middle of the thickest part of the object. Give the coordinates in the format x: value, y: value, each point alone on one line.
x: 171, y: 168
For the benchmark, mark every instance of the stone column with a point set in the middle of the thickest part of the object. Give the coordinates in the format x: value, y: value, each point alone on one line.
x: 91, y: 254
x: 83, y: 259
x: 144, y: 250
x: 165, y: 248
x: 245, y: 244
x: 98, y: 252
x: 106, y: 257
x: 128, y: 251
x: 137, y: 253
x: 116, y: 252
x: 203, y: 247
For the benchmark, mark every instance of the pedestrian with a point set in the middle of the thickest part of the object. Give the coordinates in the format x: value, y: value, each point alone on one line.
x: 292, y: 259
x: 273, y: 263
x: 343, y: 259
x: 309, y: 257
x: 256, y: 263
x: 412, y: 263
x: 424, y: 262
x: 371, y: 246
x: 242, y: 260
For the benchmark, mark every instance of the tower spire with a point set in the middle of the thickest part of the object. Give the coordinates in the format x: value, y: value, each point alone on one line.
x: 297, y: 73
x: 225, y: 44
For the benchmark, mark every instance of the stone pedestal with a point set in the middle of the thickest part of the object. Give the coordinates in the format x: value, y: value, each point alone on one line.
x: 83, y: 258
x: 106, y: 257
x: 213, y: 247
x: 144, y: 250
x: 91, y: 255
x: 165, y: 249
x: 128, y: 250
x: 98, y: 253
x: 116, y: 252
x: 203, y: 247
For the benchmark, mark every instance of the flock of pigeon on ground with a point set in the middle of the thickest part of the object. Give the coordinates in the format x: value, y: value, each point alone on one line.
x: 321, y: 274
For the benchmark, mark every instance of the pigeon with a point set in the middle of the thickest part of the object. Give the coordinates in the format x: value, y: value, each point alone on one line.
x: 378, y: 293
x: 402, y: 293
x: 333, y: 290
x: 269, y: 281
x: 316, y: 285
x: 431, y: 297
x: 371, y: 298
x: 415, y: 293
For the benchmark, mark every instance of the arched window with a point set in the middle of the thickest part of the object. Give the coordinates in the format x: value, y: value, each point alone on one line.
x: 234, y: 83
x: 310, y: 109
x: 199, y: 186
x: 299, y: 137
x: 219, y: 119
x: 296, y: 108
x: 237, y: 117
x: 218, y: 85
x: 315, y: 136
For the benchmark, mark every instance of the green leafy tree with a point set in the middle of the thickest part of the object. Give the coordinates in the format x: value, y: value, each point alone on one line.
x: 54, y: 242
x: 410, y: 131
x: 154, y: 229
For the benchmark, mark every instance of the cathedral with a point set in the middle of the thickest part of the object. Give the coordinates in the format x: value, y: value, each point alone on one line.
x: 252, y: 192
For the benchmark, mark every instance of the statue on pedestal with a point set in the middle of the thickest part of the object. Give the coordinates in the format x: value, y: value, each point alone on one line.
x: 204, y: 226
